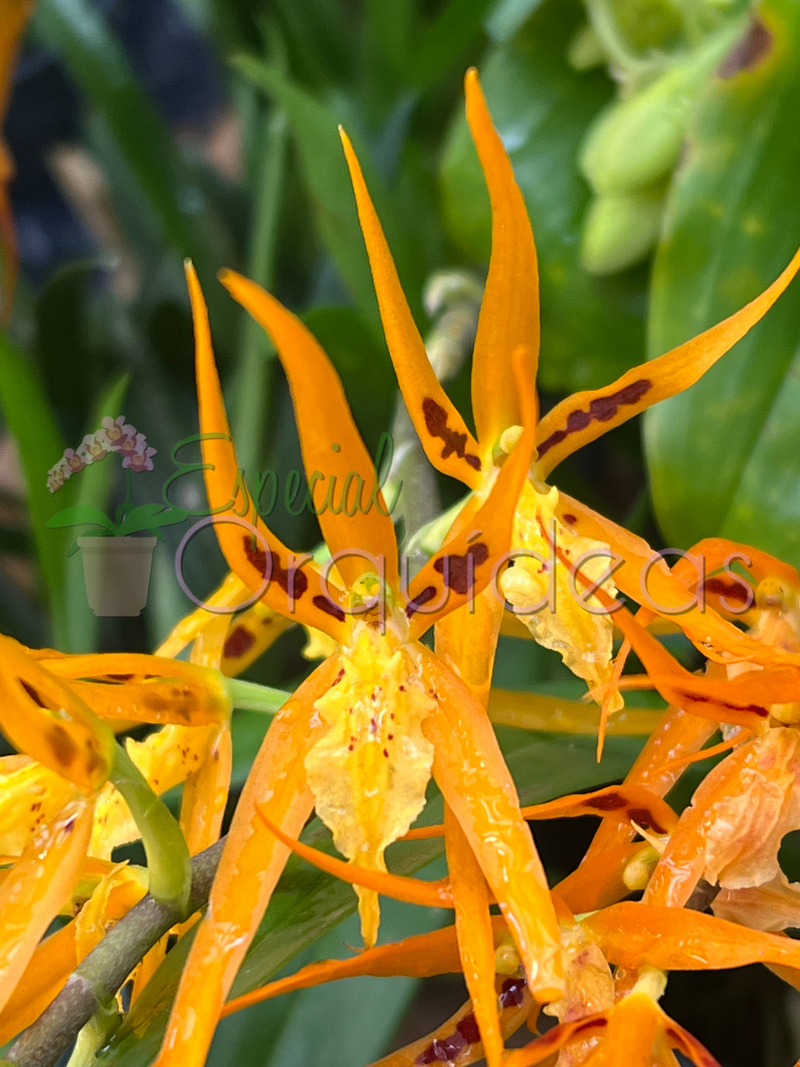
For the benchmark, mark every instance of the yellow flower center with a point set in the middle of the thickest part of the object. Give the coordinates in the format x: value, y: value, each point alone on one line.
x: 370, y: 770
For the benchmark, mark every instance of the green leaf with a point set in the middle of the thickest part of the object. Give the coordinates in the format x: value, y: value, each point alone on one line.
x: 314, y: 128
x: 150, y: 517
x: 445, y: 41
x: 80, y: 515
x: 308, y: 903
x: 591, y: 328
x: 725, y: 456
x: 250, y: 391
x: 30, y: 418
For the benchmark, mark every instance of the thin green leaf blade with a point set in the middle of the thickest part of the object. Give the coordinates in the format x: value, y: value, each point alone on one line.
x: 31, y: 420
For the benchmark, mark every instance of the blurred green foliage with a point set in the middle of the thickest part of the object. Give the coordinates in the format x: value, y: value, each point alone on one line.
x: 717, y: 195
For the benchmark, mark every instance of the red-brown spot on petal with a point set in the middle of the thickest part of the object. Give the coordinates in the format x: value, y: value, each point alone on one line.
x: 414, y: 605
x: 459, y: 571
x: 64, y: 748
x: 570, y: 520
x: 291, y: 580
x: 323, y: 604
x: 33, y: 694
x: 512, y: 991
x: 601, y: 409
x: 730, y: 590
x: 468, y: 1028
x: 644, y: 817
x: 238, y: 642
x: 749, y: 50
x: 454, y: 442
x: 608, y: 802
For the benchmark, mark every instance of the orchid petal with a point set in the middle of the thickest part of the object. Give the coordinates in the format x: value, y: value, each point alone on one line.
x: 447, y: 441
x: 469, y: 559
x: 599, y: 879
x: 333, y: 452
x: 633, y: 934
x: 456, y: 1041
x: 251, y: 864
x: 295, y: 587
x: 472, y: 775
x: 475, y: 936
x: 628, y: 802
x: 585, y: 416
x: 678, y: 734
x: 419, y: 956
x: 535, y: 711
x: 44, y: 718
x: 509, y: 314
x: 410, y: 890
x: 37, y: 886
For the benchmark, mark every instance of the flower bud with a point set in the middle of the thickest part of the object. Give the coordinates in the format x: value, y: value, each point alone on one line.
x: 637, y: 140
x: 618, y: 231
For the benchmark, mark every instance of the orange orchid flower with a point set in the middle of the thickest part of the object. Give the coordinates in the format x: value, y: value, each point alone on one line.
x: 360, y: 739
x: 64, y: 804
x: 539, y: 586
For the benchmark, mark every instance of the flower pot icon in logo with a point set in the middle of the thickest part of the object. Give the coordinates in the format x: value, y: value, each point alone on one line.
x: 117, y: 573
x: 117, y: 560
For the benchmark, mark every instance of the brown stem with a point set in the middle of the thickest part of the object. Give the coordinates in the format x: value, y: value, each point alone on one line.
x: 104, y: 971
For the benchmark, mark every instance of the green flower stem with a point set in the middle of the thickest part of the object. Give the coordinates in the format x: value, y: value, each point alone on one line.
x: 104, y: 971
x: 248, y: 696
x: 168, y: 859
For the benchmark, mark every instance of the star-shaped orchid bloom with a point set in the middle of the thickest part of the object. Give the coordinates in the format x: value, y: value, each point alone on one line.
x: 360, y: 739
x: 541, y: 586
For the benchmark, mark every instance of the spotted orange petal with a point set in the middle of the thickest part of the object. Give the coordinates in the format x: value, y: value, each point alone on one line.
x: 343, y: 483
x: 447, y: 441
x: 292, y: 584
x: 473, y: 556
x: 585, y: 416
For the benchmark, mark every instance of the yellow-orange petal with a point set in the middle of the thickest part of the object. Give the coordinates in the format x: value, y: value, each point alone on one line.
x: 598, y: 880
x: 678, y: 735
x: 251, y: 864
x: 410, y: 890
x: 37, y: 886
x: 459, y: 1033
x: 510, y: 310
x: 471, y: 900
x: 472, y: 775
x: 585, y: 416
x: 419, y: 956
x: 45, y: 719
x: 471, y: 558
x: 634, y: 934
x: 343, y: 483
x: 447, y: 441
x: 629, y: 802
x: 289, y: 584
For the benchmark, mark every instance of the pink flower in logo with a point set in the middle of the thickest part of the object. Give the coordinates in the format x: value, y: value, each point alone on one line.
x: 129, y: 445
x: 140, y: 460
x: 74, y: 462
x: 120, y: 434
x: 95, y: 446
